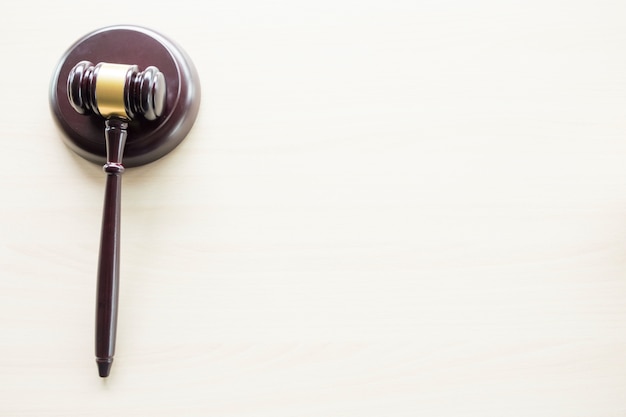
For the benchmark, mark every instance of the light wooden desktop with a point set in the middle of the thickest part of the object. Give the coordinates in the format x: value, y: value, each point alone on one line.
x: 399, y: 208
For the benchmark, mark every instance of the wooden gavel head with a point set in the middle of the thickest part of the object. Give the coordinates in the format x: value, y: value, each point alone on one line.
x: 116, y: 90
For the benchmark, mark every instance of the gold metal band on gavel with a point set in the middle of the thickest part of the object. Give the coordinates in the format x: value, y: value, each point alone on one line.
x: 111, y: 80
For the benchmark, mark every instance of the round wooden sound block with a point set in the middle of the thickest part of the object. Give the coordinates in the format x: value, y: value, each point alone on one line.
x: 148, y: 140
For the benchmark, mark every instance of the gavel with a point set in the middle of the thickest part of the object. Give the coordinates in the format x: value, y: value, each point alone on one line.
x: 118, y: 93
x: 138, y: 102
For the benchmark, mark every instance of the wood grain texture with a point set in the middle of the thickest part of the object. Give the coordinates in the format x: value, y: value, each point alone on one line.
x: 385, y: 209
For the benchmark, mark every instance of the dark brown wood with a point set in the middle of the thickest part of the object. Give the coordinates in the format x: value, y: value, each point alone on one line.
x: 145, y: 90
x: 148, y: 140
x: 167, y: 97
x: 109, y: 260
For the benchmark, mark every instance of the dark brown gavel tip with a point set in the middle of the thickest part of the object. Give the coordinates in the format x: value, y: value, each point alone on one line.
x: 104, y: 367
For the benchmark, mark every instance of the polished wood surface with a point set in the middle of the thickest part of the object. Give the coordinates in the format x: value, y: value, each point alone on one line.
x: 398, y: 208
x: 150, y: 138
x: 108, y: 281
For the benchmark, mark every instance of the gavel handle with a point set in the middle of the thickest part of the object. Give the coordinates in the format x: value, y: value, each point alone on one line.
x: 109, y: 260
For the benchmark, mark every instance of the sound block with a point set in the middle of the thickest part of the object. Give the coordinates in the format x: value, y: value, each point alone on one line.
x: 147, y: 140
